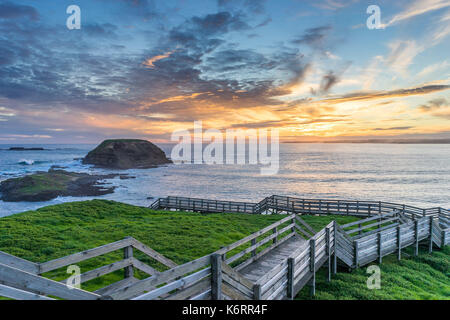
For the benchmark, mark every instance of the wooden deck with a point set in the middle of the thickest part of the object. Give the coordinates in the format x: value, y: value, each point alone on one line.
x: 275, y: 262
x: 261, y: 267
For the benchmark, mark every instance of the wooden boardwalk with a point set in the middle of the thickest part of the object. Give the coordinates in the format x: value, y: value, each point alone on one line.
x: 261, y: 267
x: 275, y: 262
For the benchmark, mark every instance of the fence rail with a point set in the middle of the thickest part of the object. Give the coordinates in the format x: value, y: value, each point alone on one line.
x: 384, y: 229
x: 284, y: 204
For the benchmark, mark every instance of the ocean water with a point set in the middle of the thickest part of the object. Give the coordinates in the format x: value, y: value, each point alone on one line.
x: 413, y: 174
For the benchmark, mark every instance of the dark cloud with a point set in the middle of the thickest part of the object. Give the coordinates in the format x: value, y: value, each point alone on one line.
x: 365, y: 96
x: 328, y: 81
x: 393, y: 128
x: 252, y: 6
x: 9, y: 10
x: 314, y: 37
x: 264, y: 23
x: 105, y: 30
x: 434, y: 105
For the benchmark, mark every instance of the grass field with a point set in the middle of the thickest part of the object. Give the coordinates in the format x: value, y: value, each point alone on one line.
x: 55, y: 231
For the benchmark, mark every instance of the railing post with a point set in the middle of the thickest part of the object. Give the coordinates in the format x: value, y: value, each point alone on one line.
x: 216, y: 277
x: 253, y: 251
x: 274, y: 230
x: 380, y: 254
x: 399, y: 244
x: 327, y: 248
x: 335, y: 248
x: 290, y: 284
x: 379, y: 207
x: 312, y: 266
x: 128, y: 253
x: 416, y: 234
x: 257, y: 292
x: 430, y: 250
x: 356, y: 249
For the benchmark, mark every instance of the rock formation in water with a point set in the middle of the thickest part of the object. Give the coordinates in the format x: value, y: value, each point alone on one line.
x: 126, y: 154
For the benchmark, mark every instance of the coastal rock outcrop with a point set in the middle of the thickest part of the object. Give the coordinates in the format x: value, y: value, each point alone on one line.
x: 126, y: 154
x: 45, y: 186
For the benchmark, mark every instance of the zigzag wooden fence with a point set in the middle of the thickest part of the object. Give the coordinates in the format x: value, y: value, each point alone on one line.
x: 220, y: 275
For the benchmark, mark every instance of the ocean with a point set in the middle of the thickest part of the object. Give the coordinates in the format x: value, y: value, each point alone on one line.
x: 413, y: 174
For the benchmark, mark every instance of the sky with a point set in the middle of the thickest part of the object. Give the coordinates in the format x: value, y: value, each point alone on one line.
x: 144, y: 69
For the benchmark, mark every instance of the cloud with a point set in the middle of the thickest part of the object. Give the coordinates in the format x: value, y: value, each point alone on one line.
x: 149, y: 63
x: 9, y: 10
x: 440, y: 66
x: 402, y: 55
x: 252, y: 6
x: 314, y: 37
x: 434, y: 105
x: 393, y: 128
x: 328, y: 81
x: 417, y: 8
x: 376, y: 95
x: 333, y: 4
x: 106, y: 30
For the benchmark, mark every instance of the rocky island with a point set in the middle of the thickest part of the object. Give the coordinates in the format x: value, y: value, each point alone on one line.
x: 45, y: 186
x: 126, y: 154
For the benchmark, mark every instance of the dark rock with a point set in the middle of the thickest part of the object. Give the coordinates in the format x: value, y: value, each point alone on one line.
x: 25, y: 149
x: 45, y: 186
x: 126, y: 154
x: 125, y: 177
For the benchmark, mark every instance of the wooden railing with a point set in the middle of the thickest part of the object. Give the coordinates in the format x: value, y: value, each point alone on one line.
x: 217, y: 275
x: 22, y: 275
x: 290, y: 276
x: 284, y: 204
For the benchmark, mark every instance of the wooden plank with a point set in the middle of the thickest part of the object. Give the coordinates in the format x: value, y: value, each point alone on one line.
x: 193, y: 291
x: 144, y: 267
x: 18, y: 263
x: 307, y: 226
x: 290, y: 285
x: 349, y: 232
x: 106, y: 291
x: 11, y: 276
x: 307, y: 235
x: 253, y: 235
x: 153, y: 281
x: 257, y: 245
x: 216, y: 277
x: 84, y: 255
x: 351, y: 224
x: 184, y: 282
x: 257, y: 292
x: 203, y: 296
x: 263, y: 252
x: 232, y: 293
x: 153, y: 254
x: 17, y: 294
x: 312, y: 243
x: 237, y: 286
x: 128, y: 253
x: 99, y: 272
x: 235, y: 275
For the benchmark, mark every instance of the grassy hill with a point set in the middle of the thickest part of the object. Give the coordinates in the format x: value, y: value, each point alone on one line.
x: 55, y: 231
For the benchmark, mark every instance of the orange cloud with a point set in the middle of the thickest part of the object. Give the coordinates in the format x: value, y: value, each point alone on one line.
x: 149, y: 63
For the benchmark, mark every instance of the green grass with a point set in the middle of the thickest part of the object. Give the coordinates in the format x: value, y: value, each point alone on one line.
x: 41, y: 182
x: 424, y: 277
x: 55, y: 231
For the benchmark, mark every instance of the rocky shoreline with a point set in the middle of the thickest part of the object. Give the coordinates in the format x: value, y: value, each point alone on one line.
x: 45, y: 186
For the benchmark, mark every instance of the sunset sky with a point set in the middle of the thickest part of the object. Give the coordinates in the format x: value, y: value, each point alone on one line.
x: 142, y: 69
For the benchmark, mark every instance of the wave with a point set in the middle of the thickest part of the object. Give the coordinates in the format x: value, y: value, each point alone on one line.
x: 30, y: 162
